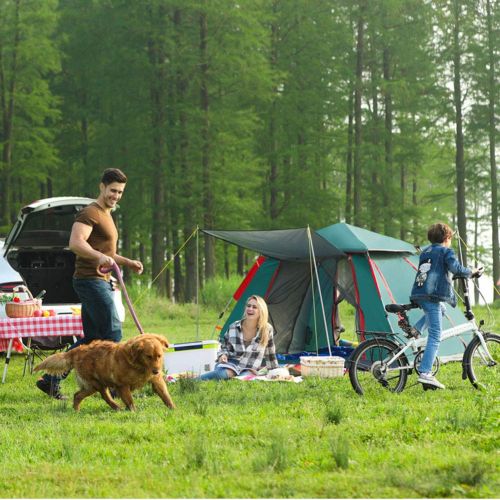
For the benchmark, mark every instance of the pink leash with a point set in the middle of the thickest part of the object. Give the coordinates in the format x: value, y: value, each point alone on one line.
x: 118, y: 273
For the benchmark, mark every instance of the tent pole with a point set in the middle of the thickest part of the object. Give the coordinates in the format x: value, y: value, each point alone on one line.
x: 314, y: 304
x: 311, y: 248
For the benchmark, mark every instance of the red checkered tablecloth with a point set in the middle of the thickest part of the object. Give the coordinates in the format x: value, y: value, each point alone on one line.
x: 51, y: 326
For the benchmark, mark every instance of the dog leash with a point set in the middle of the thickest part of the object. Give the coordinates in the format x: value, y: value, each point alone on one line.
x: 118, y: 273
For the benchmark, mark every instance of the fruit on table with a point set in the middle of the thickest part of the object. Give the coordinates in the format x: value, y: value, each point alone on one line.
x: 37, y: 313
x: 46, y: 314
x: 52, y: 312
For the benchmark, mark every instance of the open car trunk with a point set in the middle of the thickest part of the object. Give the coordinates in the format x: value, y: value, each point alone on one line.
x: 44, y: 269
x: 37, y: 248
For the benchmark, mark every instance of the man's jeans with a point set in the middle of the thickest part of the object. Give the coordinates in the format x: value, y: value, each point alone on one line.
x: 433, y: 320
x: 99, y: 317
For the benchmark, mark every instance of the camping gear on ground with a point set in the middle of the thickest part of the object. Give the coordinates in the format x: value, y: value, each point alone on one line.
x: 41, y: 347
x: 196, y: 357
x: 322, y: 366
x: 303, y: 278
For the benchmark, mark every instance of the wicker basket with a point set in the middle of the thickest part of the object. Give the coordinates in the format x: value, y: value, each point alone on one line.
x: 23, y: 309
x: 322, y: 366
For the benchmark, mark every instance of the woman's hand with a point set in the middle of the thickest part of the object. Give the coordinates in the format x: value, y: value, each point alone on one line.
x: 222, y: 358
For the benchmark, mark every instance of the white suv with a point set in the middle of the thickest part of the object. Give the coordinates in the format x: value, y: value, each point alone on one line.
x: 36, y: 254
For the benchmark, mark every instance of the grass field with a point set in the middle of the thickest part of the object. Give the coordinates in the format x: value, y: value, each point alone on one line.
x: 249, y: 439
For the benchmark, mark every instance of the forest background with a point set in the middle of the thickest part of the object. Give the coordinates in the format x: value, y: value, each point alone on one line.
x: 256, y: 114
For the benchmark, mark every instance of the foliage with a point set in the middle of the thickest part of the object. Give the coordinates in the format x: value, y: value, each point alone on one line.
x: 239, y: 115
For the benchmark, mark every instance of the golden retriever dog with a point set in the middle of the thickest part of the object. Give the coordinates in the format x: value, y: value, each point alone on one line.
x: 125, y: 367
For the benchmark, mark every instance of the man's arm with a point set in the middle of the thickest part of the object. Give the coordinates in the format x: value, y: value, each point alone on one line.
x: 135, y: 265
x: 79, y: 245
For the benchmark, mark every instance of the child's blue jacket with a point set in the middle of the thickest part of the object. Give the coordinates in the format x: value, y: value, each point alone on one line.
x: 433, y: 282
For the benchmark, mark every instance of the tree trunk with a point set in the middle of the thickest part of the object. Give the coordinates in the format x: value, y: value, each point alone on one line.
x: 348, y: 162
x: 157, y: 92
x: 459, y: 138
x: 476, y: 245
x: 208, y: 202
x: 374, y: 215
x: 357, y: 114
x: 8, y: 101
x: 492, y: 144
x: 273, y: 143
x: 388, y: 171
x: 126, y: 244
x: 240, y: 262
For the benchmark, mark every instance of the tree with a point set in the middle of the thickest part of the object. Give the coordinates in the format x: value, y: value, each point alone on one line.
x: 28, y: 107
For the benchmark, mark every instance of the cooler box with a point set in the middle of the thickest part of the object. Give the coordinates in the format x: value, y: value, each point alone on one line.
x: 198, y: 357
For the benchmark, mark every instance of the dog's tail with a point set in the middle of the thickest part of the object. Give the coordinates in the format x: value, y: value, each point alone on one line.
x: 57, y: 364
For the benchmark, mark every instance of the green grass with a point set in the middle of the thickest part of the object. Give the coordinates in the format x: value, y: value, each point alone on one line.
x: 239, y: 439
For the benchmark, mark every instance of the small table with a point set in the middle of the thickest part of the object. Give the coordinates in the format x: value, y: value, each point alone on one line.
x: 51, y: 326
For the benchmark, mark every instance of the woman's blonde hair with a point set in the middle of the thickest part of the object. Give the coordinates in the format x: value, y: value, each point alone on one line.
x: 263, y: 318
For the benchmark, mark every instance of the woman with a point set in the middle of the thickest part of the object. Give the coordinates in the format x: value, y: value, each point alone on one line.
x: 246, y: 344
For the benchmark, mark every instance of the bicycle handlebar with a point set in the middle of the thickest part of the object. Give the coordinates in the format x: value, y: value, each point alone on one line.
x: 476, y: 274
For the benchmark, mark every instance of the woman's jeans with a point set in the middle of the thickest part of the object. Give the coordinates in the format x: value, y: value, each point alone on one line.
x: 433, y: 320
x: 220, y: 373
x: 99, y: 316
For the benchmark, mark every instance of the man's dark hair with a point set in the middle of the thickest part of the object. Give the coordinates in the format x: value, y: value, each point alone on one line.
x: 439, y: 232
x: 111, y: 175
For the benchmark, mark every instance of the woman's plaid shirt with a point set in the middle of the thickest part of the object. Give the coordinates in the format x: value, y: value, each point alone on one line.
x: 250, y: 357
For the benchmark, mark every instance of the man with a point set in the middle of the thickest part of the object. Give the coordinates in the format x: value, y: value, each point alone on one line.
x: 94, y: 240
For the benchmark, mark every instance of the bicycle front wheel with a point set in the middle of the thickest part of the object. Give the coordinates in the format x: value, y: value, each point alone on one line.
x: 482, y: 364
x: 371, y: 369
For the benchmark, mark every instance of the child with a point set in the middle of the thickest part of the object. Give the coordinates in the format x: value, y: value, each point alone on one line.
x: 433, y: 285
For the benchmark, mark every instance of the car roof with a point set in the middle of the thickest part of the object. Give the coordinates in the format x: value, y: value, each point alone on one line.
x: 55, y: 202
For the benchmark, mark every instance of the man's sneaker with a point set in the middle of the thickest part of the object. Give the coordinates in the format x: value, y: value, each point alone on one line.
x: 51, y: 390
x: 429, y: 379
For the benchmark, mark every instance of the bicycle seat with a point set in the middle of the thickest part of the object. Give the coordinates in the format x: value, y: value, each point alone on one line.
x: 399, y: 308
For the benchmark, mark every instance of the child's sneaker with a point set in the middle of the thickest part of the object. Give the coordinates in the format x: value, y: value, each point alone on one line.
x: 429, y: 379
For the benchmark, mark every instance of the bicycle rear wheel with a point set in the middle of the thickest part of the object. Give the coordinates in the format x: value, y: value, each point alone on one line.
x: 482, y: 366
x: 369, y: 370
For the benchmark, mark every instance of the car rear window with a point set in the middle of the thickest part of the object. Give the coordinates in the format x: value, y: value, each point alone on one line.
x: 50, y: 227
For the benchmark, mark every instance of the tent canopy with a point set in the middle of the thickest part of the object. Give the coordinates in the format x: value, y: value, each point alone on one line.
x: 281, y: 244
x: 354, y: 239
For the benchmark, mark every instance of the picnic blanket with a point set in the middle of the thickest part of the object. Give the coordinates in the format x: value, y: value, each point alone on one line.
x: 281, y: 374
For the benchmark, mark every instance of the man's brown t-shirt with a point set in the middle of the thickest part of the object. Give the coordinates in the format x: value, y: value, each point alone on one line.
x: 103, y: 238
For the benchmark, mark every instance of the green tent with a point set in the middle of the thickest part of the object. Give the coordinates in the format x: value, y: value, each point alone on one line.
x: 304, y: 275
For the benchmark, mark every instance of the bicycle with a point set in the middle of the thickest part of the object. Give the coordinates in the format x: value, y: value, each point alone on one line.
x: 382, y: 362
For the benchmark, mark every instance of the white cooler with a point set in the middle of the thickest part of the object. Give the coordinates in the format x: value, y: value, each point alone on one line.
x: 198, y: 357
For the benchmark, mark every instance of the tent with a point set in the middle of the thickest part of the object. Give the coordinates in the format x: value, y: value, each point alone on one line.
x: 303, y: 276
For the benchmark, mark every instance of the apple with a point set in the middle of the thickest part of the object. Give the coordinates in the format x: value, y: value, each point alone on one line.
x: 37, y: 313
x: 52, y: 312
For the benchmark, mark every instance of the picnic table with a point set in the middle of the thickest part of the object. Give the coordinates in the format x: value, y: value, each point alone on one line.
x: 12, y: 330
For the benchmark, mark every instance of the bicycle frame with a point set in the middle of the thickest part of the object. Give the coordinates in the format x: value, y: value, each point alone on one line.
x: 416, y: 344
